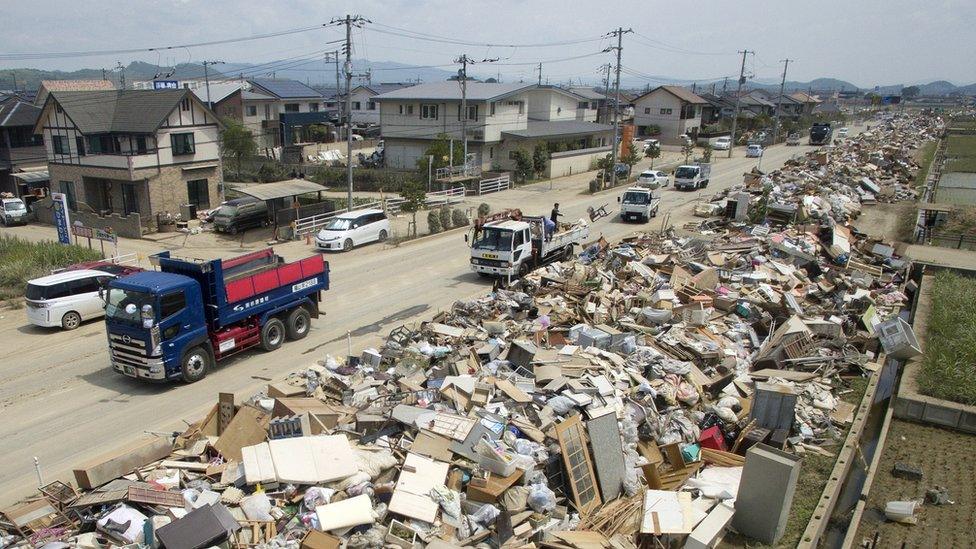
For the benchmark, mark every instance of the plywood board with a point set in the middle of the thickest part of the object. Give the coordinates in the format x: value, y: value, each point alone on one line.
x: 579, y: 468
x: 313, y: 460
x: 667, y: 512
x: 258, y: 464
x: 513, y: 392
x: 411, y: 495
x: 105, y: 468
x: 249, y: 427
x: 433, y: 446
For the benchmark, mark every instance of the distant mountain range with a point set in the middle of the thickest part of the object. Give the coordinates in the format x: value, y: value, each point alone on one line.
x: 322, y: 73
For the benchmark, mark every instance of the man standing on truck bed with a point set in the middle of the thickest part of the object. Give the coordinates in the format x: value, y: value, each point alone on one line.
x: 555, y: 215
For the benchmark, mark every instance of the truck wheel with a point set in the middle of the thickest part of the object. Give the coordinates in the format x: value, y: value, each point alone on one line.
x: 195, y: 364
x: 298, y: 323
x: 568, y: 254
x: 272, y: 334
x: 71, y: 320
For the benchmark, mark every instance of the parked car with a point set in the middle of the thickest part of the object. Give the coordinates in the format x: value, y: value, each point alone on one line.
x: 793, y: 140
x: 653, y: 178
x: 348, y: 230
x: 722, y: 144
x: 12, y: 211
x: 66, y: 299
x: 842, y: 133
x: 754, y: 151
x: 241, y: 214
x: 648, y: 143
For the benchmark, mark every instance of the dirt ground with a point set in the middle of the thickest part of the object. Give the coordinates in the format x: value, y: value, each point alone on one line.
x: 888, y: 221
x: 945, y: 458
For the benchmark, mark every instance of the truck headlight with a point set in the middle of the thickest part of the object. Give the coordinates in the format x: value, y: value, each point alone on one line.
x: 155, y: 369
x: 157, y: 350
x: 474, y: 261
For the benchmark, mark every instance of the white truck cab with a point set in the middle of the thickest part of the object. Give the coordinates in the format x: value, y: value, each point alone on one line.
x: 692, y: 176
x: 512, y: 248
x: 638, y: 204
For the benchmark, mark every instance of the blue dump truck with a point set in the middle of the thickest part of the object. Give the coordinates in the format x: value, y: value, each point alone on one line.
x: 174, y: 323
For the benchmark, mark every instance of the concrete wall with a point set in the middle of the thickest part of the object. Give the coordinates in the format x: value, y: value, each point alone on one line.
x: 129, y: 226
x: 548, y: 104
x: 573, y: 162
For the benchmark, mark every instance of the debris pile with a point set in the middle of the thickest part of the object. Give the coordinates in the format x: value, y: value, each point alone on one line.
x: 661, y: 387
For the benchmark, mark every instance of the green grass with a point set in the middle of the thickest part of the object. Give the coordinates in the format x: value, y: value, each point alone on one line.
x: 22, y: 260
x: 964, y: 164
x: 960, y: 145
x: 925, y: 157
x: 949, y: 366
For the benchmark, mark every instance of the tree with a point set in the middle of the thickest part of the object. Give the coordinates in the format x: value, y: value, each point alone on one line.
x: 653, y: 151
x: 540, y: 158
x: 910, y: 92
x: 687, y: 149
x: 237, y: 142
x: 631, y: 157
x: 415, y: 198
x: 707, y: 154
x: 318, y: 133
x: 440, y: 149
x: 523, y: 164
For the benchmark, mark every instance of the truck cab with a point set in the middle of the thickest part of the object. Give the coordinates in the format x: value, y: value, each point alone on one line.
x: 151, y: 317
x: 692, y: 176
x: 638, y: 204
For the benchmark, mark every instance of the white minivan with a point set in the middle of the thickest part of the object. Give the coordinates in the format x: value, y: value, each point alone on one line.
x: 351, y: 229
x: 66, y: 299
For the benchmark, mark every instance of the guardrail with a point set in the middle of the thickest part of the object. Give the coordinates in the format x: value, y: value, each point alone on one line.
x: 495, y: 184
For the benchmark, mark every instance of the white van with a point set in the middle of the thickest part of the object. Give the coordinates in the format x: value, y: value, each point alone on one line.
x: 66, y: 299
x: 351, y: 229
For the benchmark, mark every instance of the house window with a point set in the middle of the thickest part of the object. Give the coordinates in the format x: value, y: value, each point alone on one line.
x: 141, y: 147
x: 252, y: 110
x: 198, y: 193
x: 68, y: 190
x: 60, y: 144
x: 80, y: 145
x: 491, y: 150
x: 182, y: 143
x: 519, y: 104
x: 185, y: 104
x: 370, y: 105
x: 647, y: 110
x: 593, y: 105
x: 666, y: 111
x: 357, y: 106
x: 428, y: 112
x: 291, y: 107
x: 492, y: 109
x: 103, y: 144
x: 313, y: 107
x: 130, y: 204
x: 400, y: 108
x: 267, y: 112
x: 582, y: 105
x: 410, y: 110
x: 473, y: 112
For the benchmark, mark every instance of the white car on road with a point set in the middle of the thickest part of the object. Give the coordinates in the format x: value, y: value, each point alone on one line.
x: 842, y: 133
x: 653, y: 179
x: 722, y: 144
x: 754, y: 151
x: 66, y: 299
x: 348, y: 230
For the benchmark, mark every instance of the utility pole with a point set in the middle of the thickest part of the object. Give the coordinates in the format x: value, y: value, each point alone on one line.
x: 738, y: 94
x: 619, y: 33
x: 779, y: 102
x: 121, y: 69
x: 349, y: 21
x: 464, y: 60
x: 206, y: 77
x: 334, y: 56
x: 540, y: 74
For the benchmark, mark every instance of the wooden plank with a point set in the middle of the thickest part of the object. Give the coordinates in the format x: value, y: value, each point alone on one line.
x: 225, y: 411
x: 249, y: 427
x: 111, y: 466
x: 513, y: 392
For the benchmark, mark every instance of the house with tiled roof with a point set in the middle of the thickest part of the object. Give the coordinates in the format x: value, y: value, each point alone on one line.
x: 299, y: 107
x: 673, y: 109
x: 21, y: 152
x: 122, y: 157
x: 255, y: 110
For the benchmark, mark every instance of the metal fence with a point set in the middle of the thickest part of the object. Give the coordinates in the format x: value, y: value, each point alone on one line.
x: 312, y: 223
x: 495, y: 184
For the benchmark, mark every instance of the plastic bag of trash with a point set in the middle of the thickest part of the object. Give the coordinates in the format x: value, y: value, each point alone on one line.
x: 449, y: 500
x: 486, y: 514
x: 331, y: 363
x: 316, y: 495
x: 257, y: 507
x: 560, y: 404
x: 541, y: 498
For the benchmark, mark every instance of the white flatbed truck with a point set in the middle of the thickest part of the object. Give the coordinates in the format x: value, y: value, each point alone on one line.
x: 513, y: 248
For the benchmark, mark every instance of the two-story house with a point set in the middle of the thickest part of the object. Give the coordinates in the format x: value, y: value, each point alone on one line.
x: 809, y: 102
x: 501, y: 118
x: 21, y: 152
x: 257, y: 112
x: 365, y: 111
x: 673, y: 109
x: 299, y: 106
x: 122, y: 157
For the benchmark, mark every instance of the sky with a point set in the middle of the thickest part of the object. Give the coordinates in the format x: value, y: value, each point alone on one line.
x: 866, y: 42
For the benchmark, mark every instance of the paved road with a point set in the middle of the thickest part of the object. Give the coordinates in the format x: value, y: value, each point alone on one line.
x: 61, y: 402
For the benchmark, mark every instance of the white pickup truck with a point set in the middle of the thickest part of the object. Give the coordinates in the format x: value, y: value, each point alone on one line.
x: 638, y: 204
x: 508, y: 248
x: 693, y: 176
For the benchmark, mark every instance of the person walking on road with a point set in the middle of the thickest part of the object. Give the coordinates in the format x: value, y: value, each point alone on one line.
x: 554, y: 216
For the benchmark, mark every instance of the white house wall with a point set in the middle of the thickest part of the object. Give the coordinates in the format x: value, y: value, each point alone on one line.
x: 364, y: 115
x: 647, y: 112
x: 551, y: 105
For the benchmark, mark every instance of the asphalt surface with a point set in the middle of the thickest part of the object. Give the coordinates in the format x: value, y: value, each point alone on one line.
x: 61, y: 402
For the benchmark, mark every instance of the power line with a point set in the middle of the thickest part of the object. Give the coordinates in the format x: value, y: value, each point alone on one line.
x: 447, y: 40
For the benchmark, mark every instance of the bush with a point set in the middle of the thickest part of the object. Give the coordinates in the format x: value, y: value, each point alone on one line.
x: 484, y: 209
x: 22, y: 260
x: 653, y: 130
x: 445, y: 217
x: 434, y: 222
x: 459, y: 218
